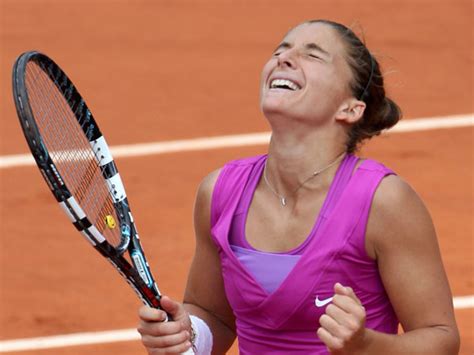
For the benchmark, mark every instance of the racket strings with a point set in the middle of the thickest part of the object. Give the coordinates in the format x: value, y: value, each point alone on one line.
x: 86, y: 156
x: 66, y: 152
x: 86, y: 177
x: 70, y: 150
x: 42, y: 112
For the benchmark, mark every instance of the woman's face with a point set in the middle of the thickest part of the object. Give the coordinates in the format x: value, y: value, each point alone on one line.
x: 307, y: 77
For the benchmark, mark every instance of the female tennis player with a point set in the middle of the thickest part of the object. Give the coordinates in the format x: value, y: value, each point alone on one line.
x: 310, y: 249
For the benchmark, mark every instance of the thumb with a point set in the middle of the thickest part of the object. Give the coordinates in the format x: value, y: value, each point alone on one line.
x: 346, y: 291
x: 340, y: 289
x: 174, y: 309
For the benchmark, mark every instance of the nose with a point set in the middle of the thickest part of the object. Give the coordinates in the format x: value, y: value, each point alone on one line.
x: 286, y: 59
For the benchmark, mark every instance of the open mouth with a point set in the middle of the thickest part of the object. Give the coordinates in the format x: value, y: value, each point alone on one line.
x: 284, y: 84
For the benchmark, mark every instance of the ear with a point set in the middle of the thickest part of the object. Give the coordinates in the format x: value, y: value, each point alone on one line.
x: 350, y: 111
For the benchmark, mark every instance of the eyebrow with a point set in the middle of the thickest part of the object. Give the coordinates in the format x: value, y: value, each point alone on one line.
x: 310, y: 46
x: 314, y: 46
x: 282, y: 45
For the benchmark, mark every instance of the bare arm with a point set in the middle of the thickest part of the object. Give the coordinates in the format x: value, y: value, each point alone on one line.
x: 204, y: 295
x: 401, y: 236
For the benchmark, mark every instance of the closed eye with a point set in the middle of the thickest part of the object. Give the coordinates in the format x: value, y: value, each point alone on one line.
x: 281, y: 48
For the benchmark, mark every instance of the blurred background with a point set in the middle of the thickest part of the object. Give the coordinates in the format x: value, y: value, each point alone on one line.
x: 164, y: 70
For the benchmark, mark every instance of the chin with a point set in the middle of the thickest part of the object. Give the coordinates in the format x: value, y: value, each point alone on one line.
x: 276, y: 114
x: 271, y: 110
x: 274, y: 104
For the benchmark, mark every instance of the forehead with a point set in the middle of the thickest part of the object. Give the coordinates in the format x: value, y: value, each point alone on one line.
x: 319, y: 33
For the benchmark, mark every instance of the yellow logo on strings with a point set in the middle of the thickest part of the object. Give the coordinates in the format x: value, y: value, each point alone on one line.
x: 110, y: 221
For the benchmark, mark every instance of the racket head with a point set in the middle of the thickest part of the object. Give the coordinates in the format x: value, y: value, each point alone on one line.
x: 76, y: 163
x: 69, y: 148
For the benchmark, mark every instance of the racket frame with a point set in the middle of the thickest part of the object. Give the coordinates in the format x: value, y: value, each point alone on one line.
x: 137, y: 273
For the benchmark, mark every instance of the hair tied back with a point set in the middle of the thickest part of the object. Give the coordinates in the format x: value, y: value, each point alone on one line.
x: 369, y: 81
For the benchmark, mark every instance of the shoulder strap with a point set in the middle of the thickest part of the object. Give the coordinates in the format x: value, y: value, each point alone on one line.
x: 366, y: 180
x: 230, y: 184
x: 363, y: 184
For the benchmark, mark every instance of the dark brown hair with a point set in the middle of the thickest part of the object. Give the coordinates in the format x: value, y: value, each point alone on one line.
x: 367, y: 85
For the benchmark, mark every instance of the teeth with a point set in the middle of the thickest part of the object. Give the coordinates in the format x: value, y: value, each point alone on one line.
x: 283, y: 82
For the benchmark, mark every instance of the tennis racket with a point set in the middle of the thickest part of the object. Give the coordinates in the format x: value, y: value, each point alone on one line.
x: 77, y: 165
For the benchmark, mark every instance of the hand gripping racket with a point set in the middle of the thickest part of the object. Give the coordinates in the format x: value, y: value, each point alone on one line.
x: 76, y: 163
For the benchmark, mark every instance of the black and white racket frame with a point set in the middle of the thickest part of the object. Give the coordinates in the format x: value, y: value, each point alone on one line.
x: 137, y: 273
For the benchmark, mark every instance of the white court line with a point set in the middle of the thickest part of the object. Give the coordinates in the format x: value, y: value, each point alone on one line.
x: 120, y: 335
x: 463, y: 302
x: 239, y: 140
x: 59, y: 341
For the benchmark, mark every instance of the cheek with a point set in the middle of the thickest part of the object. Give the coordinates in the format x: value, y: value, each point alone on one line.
x: 323, y: 95
x: 267, y: 69
x: 332, y: 86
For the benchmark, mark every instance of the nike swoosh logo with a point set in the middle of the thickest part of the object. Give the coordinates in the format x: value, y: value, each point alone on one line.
x: 322, y: 303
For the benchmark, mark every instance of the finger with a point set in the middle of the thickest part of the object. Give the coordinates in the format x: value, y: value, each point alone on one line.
x: 347, y: 320
x: 349, y: 305
x: 159, y: 328
x: 173, y: 308
x: 179, y: 349
x: 333, y: 343
x: 165, y: 341
x: 184, y: 348
x: 149, y: 314
x: 333, y: 327
x: 339, y: 288
x: 346, y: 291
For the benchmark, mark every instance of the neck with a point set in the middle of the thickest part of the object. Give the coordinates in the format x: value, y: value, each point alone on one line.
x: 292, y: 159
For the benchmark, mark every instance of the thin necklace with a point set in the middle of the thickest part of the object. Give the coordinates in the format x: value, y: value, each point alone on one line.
x: 315, y: 173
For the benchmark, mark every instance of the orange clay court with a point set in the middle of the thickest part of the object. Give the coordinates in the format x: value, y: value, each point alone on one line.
x: 154, y: 71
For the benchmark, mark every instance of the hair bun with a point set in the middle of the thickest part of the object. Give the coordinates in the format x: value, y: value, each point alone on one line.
x: 377, y: 117
x: 389, y: 114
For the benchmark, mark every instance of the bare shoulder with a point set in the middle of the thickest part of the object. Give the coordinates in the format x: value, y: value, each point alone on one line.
x: 207, y: 184
x: 393, y: 191
x: 395, y: 198
x: 398, y: 216
x: 202, y: 205
x: 205, y: 189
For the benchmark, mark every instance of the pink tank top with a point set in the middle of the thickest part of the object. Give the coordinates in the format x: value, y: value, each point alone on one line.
x: 285, y: 320
x: 270, y: 269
